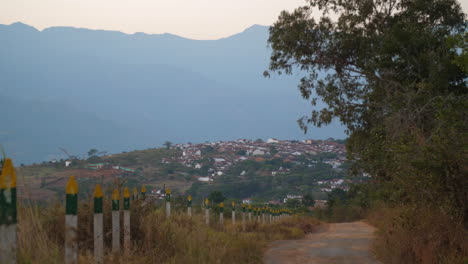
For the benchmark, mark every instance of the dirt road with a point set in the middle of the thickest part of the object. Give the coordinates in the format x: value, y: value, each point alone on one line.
x: 344, y: 243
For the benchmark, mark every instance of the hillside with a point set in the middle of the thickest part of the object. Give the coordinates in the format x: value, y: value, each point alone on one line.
x: 240, y: 169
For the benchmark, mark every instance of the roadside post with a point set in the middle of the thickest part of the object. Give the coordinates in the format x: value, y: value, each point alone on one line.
x: 233, y: 213
x: 243, y: 217
x: 135, y: 194
x: 71, y: 222
x: 221, y: 213
x: 250, y: 213
x: 98, y: 226
x: 8, y: 213
x: 126, y: 230
x: 207, y: 211
x: 189, y: 205
x: 115, y: 222
x: 143, y: 192
x: 168, y: 202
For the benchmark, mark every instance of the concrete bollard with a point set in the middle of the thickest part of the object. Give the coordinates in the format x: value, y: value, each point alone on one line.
x: 168, y: 202
x: 207, y: 211
x: 243, y: 217
x: 126, y: 229
x: 8, y: 213
x: 71, y: 222
x: 263, y: 215
x: 135, y: 194
x: 143, y: 192
x: 98, y: 226
x: 189, y: 205
x: 250, y: 213
x: 221, y: 213
x: 115, y: 222
x: 233, y: 213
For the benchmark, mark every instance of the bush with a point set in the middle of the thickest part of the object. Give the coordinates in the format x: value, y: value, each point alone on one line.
x: 419, y: 235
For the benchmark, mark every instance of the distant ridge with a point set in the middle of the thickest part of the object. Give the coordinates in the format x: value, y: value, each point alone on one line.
x: 138, y: 90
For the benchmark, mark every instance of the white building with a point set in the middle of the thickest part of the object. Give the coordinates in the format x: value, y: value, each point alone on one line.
x: 68, y: 163
x: 258, y: 152
x: 272, y: 140
x: 205, y: 179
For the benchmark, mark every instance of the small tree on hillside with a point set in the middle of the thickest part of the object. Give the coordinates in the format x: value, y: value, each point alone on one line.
x: 167, y: 144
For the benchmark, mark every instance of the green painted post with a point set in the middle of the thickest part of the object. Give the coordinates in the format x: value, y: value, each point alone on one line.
x: 233, y: 213
x: 115, y: 222
x: 243, y: 217
x: 143, y: 192
x: 189, y: 205
x: 71, y: 222
x: 135, y: 193
x: 221, y: 213
x: 207, y: 211
x: 98, y: 226
x: 126, y: 230
x: 168, y: 202
x: 8, y: 213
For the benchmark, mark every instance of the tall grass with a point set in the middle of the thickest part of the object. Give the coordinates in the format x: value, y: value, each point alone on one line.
x: 156, y: 239
x: 425, y: 235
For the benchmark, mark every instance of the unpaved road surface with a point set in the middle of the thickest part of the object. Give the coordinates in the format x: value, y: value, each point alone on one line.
x: 343, y: 243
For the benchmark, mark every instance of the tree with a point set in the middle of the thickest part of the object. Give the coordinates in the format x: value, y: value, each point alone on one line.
x: 216, y: 197
x: 293, y: 203
x: 394, y: 73
x: 167, y: 144
x: 308, y: 200
x: 92, y: 152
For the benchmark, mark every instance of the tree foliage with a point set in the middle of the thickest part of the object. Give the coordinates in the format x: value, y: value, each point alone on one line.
x: 395, y: 73
x: 216, y: 197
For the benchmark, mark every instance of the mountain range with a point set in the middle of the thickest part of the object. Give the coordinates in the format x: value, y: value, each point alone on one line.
x: 78, y: 89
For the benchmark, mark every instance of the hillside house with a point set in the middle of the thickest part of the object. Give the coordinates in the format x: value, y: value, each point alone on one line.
x: 247, y: 201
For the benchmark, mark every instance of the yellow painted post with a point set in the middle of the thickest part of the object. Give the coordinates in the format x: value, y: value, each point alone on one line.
x: 233, y: 214
x: 243, y: 217
x: 135, y: 193
x: 221, y: 213
x: 98, y: 225
x: 115, y: 221
x: 207, y: 211
x: 189, y: 205
x: 168, y: 202
x: 8, y: 212
x: 143, y: 192
x: 71, y: 222
x: 126, y: 230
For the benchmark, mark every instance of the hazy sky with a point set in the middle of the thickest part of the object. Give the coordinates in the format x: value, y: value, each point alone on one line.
x: 197, y: 19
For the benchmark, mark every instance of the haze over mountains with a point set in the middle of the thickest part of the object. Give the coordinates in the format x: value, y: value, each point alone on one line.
x: 80, y: 89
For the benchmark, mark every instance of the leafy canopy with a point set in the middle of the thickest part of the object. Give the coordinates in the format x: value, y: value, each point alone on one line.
x: 395, y: 73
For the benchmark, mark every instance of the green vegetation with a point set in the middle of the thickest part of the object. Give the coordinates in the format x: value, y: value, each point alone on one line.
x: 394, y: 72
x: 254, y: 178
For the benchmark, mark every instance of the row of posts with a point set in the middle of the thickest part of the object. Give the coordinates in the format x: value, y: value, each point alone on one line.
x: 8, y: 217
x: 261, y: 215
x: 264, y: 215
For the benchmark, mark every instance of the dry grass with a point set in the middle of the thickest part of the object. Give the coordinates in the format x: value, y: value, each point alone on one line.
x: 419, y: 235
x: 156, y: 239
